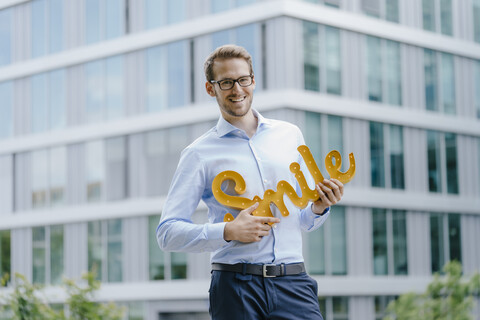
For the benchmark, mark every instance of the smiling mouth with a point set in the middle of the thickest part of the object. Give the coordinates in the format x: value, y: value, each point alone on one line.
x: 237, y: 99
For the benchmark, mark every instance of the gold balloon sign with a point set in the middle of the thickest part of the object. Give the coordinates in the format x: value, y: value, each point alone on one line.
x: 283, y: 187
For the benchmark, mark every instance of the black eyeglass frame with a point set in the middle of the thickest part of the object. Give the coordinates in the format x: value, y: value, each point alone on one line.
x: 233, y: 82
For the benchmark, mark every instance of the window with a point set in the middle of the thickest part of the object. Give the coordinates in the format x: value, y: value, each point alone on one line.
x: 104, y: 20
x: 324, y: 133
x: 386, y: 156
x: 381, y: 304
x: 437, y: 16
x: 445, y: 239
x: 384, y: 71
x: 47, y: 254
x: 167, y: 74
x: 389, y: 242
x: 6, y: 108
x: 5, y: 252
x: 326, y: 77
x: 329, y: 3
x: 439, y: 81
x: 164, y: 265
x: 47, y: 27
x: 327, y: 246
x: 334, y: 308
x: 160, y: 13
x: 48, y: 101
x: 476, y: 20
x: 105, y: 89
x: 223, y: 5
x: 95, y: 160
x: 105, y: 250
x: 6, y: 22
x: 476, y: 81
x: 116, y: 168
x: 442, y: 162
x: 49, y: 171
x: 385, y: 9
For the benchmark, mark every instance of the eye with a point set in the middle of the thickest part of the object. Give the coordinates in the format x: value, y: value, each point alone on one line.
x: 244, y: 80
x: 226, y: 83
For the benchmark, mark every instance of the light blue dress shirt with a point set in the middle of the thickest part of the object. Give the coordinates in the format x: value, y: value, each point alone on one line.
x: 262, y: 160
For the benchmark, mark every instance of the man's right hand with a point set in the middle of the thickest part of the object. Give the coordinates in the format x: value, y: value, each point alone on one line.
x: 248, y: 228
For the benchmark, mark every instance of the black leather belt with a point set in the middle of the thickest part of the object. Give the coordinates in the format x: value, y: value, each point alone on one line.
x: 265, y: 270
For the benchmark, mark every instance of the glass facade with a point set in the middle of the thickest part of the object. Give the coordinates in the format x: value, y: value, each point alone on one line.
x: 105, y: 249
x: 6, y: 109
x: 445, y: 239
x: 439, y: 71
x: 442, y: 157
x: 104, y: 20
x: 477, y: 85
x: 47, y: 254
x: 389, y: 242
x: 5, y: 253
x: 385, y: 9
x: 384, y: 71
x: 327, y: 246
x: 95, y: 167
x: 334, y: 308
x: 6, y: 22
x: 476, y: 20
x: 162, y: 12
x: 437, y: 16
x: 47, y: 27
x: 322, y: 64
x: 386, y: 156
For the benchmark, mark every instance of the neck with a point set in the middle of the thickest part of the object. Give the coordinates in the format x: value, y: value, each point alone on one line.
x: 247, y: 123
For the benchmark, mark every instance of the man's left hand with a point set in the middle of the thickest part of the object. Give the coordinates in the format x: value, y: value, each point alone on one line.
x: 331, y: 192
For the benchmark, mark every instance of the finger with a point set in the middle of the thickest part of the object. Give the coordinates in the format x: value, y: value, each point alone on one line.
x: 250, y: 209
x: 265, y: 220
x: 335, y: 190
x: 339, y: 184
x: 323, y: 197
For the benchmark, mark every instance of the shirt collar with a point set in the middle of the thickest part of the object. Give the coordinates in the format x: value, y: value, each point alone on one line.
x: 224, y: 127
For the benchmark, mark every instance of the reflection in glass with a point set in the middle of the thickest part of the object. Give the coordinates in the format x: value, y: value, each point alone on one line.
x: 393, y: 74
x: 56, y: 254
x: 340, y: 308
x: 451, y: 155
x: 156, y: 257
x: 448, y: 83
x: 179, y: 265
x: 6, y: 109
x: 57, y: 99
x: 39, y: 169
x: 156, y: 79
x: 430, y: 67
x: 114, y: 87
x: 454, y: 237
x: 92, y: 15
x: 374, y: 68
x: 95, y: 249
x: 437, y: 242
x: 396, y: 157
x: 380, y: 258
x: 39, y: 251
x: 4, y: 253
x: 114, y: 18
x: 39, y: 28
x: 177, y: 74
x: 311, y: 56
x: 399, y: 227
x: 333, y: 62
x: 377, y: 155
x: 58, y: 175
x: 95, y: 159
x: 446, y: 17
x: 434, y: 171
x: 391, y: 10
x: 428, y: 10
x: 39, y: 103
x: 338, y: 241
x: 55, y: 23
x: 5, y: 37
x: 114, y: 250
x: 95, y: 91
x: 154, y: 16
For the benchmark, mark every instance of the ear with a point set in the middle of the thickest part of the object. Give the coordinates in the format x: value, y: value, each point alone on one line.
x: 210, y: 89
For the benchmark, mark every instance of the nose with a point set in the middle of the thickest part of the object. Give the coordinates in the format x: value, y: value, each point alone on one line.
x: 236, y: 86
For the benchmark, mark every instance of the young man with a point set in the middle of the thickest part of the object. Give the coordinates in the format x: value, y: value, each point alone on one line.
x: 257, y: 269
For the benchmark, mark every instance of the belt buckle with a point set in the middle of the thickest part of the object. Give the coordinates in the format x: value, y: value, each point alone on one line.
x: 265, y: 272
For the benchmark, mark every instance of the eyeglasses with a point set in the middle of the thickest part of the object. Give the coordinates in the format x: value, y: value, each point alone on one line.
x: 228, y: 84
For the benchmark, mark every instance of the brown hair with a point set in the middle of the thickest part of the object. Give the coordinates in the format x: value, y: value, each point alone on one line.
x: 228, y: 51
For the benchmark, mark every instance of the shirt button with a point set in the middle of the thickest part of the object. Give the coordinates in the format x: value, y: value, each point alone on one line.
x: 265, y: 180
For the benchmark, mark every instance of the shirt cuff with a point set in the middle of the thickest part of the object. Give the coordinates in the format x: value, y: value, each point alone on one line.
x: 215, y: 231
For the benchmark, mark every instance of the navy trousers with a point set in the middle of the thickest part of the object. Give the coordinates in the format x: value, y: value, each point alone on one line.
x: 249, y: 297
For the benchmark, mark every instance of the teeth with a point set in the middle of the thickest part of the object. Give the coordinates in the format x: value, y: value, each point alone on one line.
x: 237, y: 100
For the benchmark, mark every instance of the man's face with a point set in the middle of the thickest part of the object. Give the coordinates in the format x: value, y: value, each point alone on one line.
x: 237, y: 101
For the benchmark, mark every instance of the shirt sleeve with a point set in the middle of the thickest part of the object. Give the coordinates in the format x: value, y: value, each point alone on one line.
x: 176, y: 231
